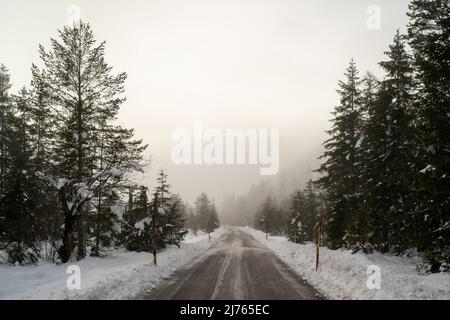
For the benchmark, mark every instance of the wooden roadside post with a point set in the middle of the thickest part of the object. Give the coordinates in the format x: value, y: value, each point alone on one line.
x: 319, y: 228
x: 154, y: 236
x: 317, y: 249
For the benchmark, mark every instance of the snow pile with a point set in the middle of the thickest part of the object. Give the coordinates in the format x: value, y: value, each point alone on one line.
x: 121, y: 275
x: 343, y: 275
x: 201, y: 236
x: 114, y: 172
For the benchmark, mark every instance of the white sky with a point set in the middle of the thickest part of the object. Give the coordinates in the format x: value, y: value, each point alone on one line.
x: 230, y: 64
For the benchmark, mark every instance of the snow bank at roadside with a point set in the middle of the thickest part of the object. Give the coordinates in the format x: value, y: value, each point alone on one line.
x: 201, y: 236
x: 120, y: 275
x: 343, y: 275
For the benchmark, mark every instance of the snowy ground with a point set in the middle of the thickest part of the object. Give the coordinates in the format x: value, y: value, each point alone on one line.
x: 343, y: 275
x: 120, y: 275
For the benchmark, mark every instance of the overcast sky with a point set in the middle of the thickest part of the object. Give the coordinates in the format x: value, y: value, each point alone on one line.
x: 230, y: 64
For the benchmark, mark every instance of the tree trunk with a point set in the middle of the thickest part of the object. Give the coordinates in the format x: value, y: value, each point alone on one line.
x: 65, y: 251
x: 80, y: 230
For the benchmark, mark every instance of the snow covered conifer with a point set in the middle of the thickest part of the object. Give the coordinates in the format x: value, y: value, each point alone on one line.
x: 202, y: 208
x: 341, y: 170
x: 85, y: 98
x: 175, y: 222
x: 5, y: 122
x: 389, y: 149
x: 428, y: 35
x: 297, y: 231
x: 266, y: 216
x: 213, y: 219
x: 136, y: 226
x: 21, y: 187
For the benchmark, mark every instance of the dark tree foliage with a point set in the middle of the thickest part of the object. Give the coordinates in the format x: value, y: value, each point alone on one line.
x: 265, y: 218
x: 387, y: 161
x: 206, y: 214
x: 64, y: 165
x: 90, y: 155
x: 429, y: 38
x: 341, y: 169
x: 174, y: 228
x: 156, y: 223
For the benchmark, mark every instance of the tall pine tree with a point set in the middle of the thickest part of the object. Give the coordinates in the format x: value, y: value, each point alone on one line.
x: 341, y: 169
x: 429, y: 34
x: 85, y: 97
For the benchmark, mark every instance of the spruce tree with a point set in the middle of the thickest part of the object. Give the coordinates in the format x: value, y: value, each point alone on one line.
x: 192, y: 221
x: 398, y: 86
x: 85, y: 97
x: 5, y: 115
x: 297, y: 231
x: 175, y: 224
x: 304, y: 214
x: 5, y: 129
x: 170, y: 214
x: 114, y: 145
x: 213, y: 219
x: 265, y: 218
x: 429, y: 34
x: 341, y: 169
x: 42, y: 137
x: 312, y: 210
x: 20, y: 192
x: 136, y: 224
x: 202, y: 208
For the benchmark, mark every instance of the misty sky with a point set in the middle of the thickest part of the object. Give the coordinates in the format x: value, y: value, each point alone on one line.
x: 230, y: 64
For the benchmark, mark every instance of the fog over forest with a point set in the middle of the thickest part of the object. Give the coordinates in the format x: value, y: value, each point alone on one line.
x: 230, y: 65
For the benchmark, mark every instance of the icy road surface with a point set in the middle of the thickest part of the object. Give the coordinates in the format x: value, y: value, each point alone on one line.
x: 237, y: 267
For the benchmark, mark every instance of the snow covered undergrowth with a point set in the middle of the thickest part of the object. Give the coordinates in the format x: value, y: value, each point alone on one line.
x: 343, y: 275
x: 120, y: 275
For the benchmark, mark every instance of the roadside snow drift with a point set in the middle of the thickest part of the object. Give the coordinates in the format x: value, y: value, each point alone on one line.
x: 120, y: 275
x: 343, y: 275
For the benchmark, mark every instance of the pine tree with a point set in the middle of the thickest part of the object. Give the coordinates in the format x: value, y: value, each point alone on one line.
x: 20, y: 193
x: 42, y: 137
x: 304, y: 214
x: 136, y: 225
x: 113, y: 145
x: 341, y: 169
x: 160, y: 209
x: 297, y: 231
x: 389, y: 149
x: 5, y: 123
x: 85, y: 98
x: 158, y: 214
x: 163, y: 188
x: 213, y: 219
x: 429, y: 33
x: 170, y: 213
x: 202, y: 208
x: 312, y: 210
x: 265, y: 218
x: 175, y: 224
x: 5, y: 114
x: 192, y: 222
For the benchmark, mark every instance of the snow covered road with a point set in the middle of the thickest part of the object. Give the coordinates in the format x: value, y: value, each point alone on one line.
x: 120, y: 275
x: 236, y: 267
